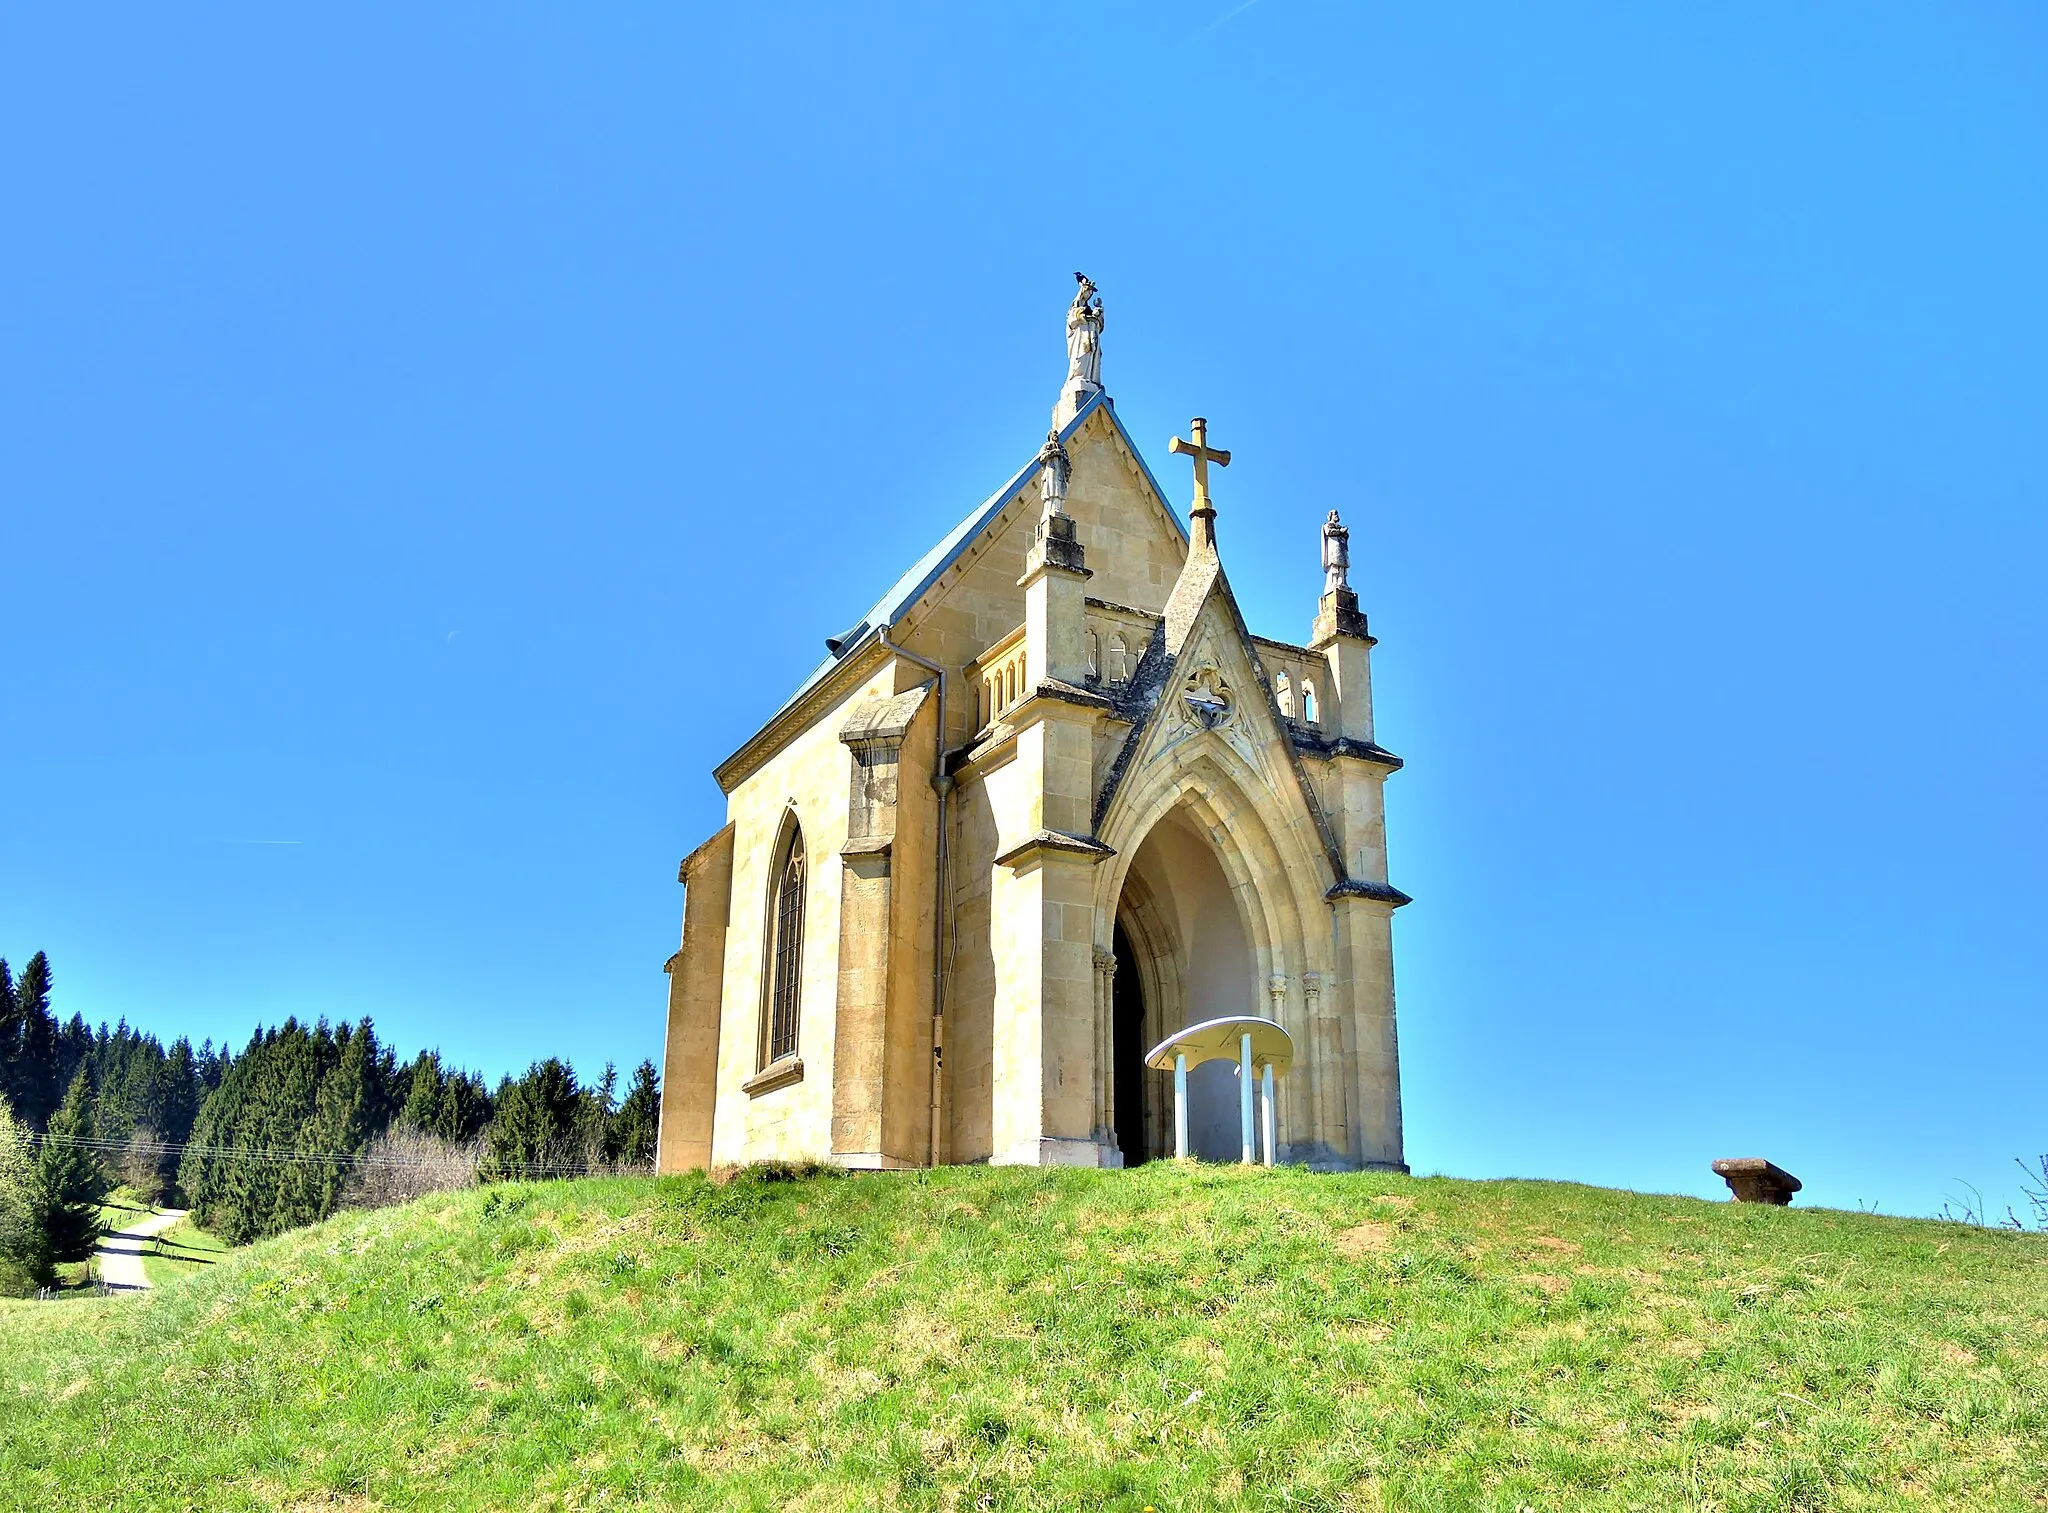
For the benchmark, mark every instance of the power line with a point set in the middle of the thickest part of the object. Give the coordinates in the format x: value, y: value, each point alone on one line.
x: 367, y: 1159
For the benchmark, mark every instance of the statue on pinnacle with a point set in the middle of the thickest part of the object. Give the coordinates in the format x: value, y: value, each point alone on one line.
x: 1336, y: 556
x: 1084, y: 351
x: 1337, y: 612
x: 1084, y: 335
x: 1055, y: 469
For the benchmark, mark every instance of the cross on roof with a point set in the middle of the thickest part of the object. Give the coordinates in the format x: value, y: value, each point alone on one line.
x: 1204, y: 454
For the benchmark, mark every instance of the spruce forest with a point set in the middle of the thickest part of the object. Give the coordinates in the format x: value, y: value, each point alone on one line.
x: 301, y: 1121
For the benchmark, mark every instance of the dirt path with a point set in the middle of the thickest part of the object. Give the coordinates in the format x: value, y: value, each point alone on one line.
x: 120, y: 1251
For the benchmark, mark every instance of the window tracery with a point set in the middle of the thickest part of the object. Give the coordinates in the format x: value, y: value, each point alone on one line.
x: 786, y: 952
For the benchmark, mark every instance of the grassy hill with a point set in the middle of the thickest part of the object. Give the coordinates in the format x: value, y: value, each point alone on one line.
x: 1173, y: 1338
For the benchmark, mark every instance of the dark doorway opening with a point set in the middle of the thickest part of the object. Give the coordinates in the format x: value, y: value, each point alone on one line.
x: 1127, y: 1052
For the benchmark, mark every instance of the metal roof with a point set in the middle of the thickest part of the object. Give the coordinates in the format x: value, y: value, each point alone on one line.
x: 915, y: 583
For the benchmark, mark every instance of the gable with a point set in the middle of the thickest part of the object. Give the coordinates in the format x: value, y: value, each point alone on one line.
x: 1134, y: 542
x: 1135, y: 545
x: 1213, y: 691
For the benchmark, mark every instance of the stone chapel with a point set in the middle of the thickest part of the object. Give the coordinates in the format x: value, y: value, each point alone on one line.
x: 1046, y: 803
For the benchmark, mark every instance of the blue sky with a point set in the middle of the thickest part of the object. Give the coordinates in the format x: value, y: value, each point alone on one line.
x: 434, y: 437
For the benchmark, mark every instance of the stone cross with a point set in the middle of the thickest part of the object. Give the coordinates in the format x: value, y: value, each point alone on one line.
x: 1204, y: 454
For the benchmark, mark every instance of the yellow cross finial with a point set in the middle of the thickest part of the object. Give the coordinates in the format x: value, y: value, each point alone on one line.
x: 1204, y: 454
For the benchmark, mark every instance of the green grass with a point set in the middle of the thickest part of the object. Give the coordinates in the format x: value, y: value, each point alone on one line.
x: 181, y: 1250
x: 74, y: 1279
x: 122, y: 1207
x: 1184, y: 1339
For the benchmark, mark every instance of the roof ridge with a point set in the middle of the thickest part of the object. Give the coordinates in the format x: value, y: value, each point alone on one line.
x: 914, y: 584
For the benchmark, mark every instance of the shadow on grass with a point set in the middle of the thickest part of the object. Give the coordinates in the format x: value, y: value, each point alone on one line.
x: 171, y: 1250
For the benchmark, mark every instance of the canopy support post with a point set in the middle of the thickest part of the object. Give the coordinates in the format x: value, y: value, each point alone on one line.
x: 1268, y: 1091
x: 1245, y: 1085
x: 1180, y: 1106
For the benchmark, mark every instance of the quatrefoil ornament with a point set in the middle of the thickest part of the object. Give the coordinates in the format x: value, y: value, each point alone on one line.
x: 1208, y: 697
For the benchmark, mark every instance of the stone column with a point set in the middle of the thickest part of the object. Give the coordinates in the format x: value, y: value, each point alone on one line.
x: 1048, y: 1061
x: 1365, y: 946
x: 1339, y: 633
x: 1105, y: 1046
x: 1047, y: 1065
x: 1276, y: 1010
x: 1055, y: 585
x: 1362, y: 1102
x: 1327, y: 1071
x: 696, y: 986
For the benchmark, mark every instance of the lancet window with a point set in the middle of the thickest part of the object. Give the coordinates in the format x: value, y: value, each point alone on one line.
x: 1283, y: 695
x: 1002, y: 676
x: 1308, y: 701
x: 785, y: 952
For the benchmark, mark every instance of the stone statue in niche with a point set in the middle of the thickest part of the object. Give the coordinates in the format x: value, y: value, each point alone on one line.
x: 1336, y: 556
x: 1084, y: 335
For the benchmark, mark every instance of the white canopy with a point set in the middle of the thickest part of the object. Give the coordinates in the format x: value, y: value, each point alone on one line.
x: 1222, y: 1040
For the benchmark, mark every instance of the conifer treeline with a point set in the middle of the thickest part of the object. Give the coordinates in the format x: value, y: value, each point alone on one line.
x: 266, y: 1139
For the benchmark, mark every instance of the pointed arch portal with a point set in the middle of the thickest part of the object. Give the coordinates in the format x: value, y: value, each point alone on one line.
x: 1183, y: 954
x: 1217, y: 890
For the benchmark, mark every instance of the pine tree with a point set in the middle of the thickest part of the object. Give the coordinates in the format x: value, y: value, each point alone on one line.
x: 182, y: 1092
x: 465, y: 1108
x: 68, y: 1176
x: 203, y: 1172
x: 74, y: 1042
x: 10, y: 1036
x: 24, y: 1245
x: 594, y: 1120
x: 213, y: 1067
x: 339, y: 1124
x: 635, y: 1127
x: 264, y: 1098
x: 283, y: 1195
x: 538, y: 1120
x: 36, y: 1087
x: 423, y: 1094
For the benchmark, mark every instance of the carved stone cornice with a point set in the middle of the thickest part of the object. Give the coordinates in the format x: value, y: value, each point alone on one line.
x: 1356, y: 887
x: 881, y: 721
x: 1057, y: 692
x: 1343, y: 746
x: 1058, y: 843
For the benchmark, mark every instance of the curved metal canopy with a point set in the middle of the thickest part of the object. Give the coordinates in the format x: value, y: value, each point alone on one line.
x: 1221, y: 1040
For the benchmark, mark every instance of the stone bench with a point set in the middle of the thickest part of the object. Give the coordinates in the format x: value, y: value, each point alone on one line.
x: 1755, y: 1180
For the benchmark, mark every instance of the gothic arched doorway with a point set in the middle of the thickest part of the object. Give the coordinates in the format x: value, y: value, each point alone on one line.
x: 1127, y: 1009
x: 1183, y: 954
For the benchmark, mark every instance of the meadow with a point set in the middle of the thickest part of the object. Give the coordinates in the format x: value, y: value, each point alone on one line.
x: 1174, y: 1338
